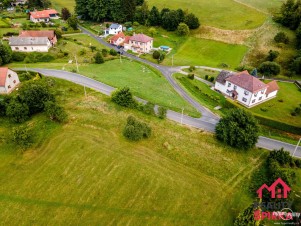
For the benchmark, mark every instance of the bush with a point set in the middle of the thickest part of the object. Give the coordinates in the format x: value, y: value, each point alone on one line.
x: 17, y: 112
x: 156, y: 54
x: 82, y: 52
x: 211, y: 79
x: 238, y: 129
x: 22, y: 136
x: 113, y: 52
x: 162, y: 112
x: 98, y: 58
x: 281, y: 37
x: 191, y: 68
x: 124, y: 97
x: 190, y: 76
x: 136, y: 130
x: 269, y: 68
x: 183, y: 29
x: 55, y: 112
x: 264, y: 109
x: 148, y: 108
x: 272, y: 55
x: 206, y: 77
x: 104, y: 52
x: 192, y: 21
x: 18, y: 56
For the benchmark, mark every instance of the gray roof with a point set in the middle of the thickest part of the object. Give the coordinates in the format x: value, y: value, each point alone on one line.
x: 114, y: 26
x: 23, y: 41
x: 221, y: 78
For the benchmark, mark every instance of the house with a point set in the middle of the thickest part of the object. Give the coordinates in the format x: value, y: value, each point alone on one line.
x: 18, y: 2
x: 279, y: 189
x: 8, y: 80
x: 113, y: 29
x: 117, y: 39
x: 139, y: 43
x: 43, y: 16
x: 49, y: 34
x: 245, y: 88
x: 30, y: 44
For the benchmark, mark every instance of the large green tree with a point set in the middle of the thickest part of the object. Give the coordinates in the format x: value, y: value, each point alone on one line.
x: 238, y: 129
x: 154, y: 18
x: 170, y: 20
x: 5, y: 54
x: 16, y: 111
x: 290, y: 14
x: 192, y: 21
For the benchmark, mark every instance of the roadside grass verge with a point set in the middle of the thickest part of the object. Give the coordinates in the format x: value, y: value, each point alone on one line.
x: 86, y: 172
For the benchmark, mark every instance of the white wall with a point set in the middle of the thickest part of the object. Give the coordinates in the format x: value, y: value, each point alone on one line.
x: 31, y: 48
x: 115, y: 31
x: 11, y: 82
x: 39, y: 20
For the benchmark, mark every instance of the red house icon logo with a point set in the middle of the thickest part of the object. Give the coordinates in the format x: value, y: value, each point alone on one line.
x: 278, y: 189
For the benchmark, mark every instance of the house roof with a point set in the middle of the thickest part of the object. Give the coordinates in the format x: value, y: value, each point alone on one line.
x: 246, y: 81
x: 140, y: 38
x: 221, y: 78
x: 3, y: 75
x: 272, y: 86
x: 126, y: 39
x: 22, y: 41
x: 49, y: 34
x: 114, y: 26
x: 43, y: 13
x: 116, y: 37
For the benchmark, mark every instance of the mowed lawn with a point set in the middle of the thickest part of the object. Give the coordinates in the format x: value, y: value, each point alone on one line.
x: 85, y: 172
x: 265, y: 6
x: 281, y: 111
x: 69, y: 4
x: 202, y: 52
x: 225, y: 14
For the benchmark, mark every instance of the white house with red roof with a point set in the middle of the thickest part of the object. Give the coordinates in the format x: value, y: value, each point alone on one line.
x: 118, y: 39
x: 8, y: 80
x: 245, y: 88
x: 43, y: 16
x: 139, y: 43
x: 34, y: 34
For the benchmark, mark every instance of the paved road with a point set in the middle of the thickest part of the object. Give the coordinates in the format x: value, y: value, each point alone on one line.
x: 200, y: 123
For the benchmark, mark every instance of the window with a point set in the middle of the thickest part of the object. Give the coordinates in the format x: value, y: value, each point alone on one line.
x: 235, y: 87
x: 16, y: 48
x: 14, y: 81
x: 244, y: 99
x: 253, y: 101
x: 9, y: 87
x: 25, y: 48
x: 229, y: 84
x: 246, y: 93
x: 9, y: 76
x: 255, y: 95
x: 260, y: 98
x: 262, y: 91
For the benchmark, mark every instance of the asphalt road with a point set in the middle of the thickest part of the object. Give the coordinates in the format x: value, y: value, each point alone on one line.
x: 200, y: 123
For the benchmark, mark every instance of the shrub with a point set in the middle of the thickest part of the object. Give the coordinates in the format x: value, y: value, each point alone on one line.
x: 82, y: 52
x: 148, y: 108
x: 98, y: 58
x: 136, y: 23
x: 104, y: 52
x: 162, y: 112
x: 206, y: 77
x: 280, y: 100
x: 192, y: 21
x: 281, y: 37
x: 17, y: 112
x: 58, y: 34
x: 18, y: 56
x: 190, y: 76
x: 264, y: 109
x: 156, y: 54
x: 55, y: 112
x: 22, y: 136
x: 113, y: 52
x: 211, y: 79
x: 272, y: 55
x: 183, y: 29
x: 238, y: 129
x: 136, y: 130
x: 191, y: 68
x: 124, y: 97
x: 269, y: 68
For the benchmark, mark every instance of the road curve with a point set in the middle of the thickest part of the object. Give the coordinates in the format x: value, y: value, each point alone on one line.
x: 200, y: 123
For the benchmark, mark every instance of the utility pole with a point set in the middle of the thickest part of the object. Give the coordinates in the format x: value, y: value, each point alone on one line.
x: 182, y: 116
x: 76, y: 63
x: 172, y: 60
x: 296, y: 147
x: 85, y: 91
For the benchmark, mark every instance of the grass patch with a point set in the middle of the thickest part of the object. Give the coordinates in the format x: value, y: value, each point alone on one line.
x: 69, y: 4
x: 86, y: 172
x: 200, y: 72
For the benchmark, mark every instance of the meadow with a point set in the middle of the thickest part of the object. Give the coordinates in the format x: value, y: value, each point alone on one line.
x: 85, y: 172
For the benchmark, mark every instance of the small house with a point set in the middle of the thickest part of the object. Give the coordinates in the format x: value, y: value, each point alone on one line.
x: 113, y: 29
x: 30, y: 44
x: 8, y: 80
x: 34, y: 34
x: 43, y: 16
x: 139, y: 43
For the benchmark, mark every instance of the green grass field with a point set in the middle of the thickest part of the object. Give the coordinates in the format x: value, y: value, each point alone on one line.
x: 265, y: 6
x: 225, y: 14
x: 208, y: 53
x: 85, y: 172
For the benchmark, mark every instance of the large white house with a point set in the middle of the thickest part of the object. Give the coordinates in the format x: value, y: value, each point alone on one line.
x: 8, y: 80
x: 139, y: 43
x: 245, y: 88
x: 30, y: 44
x: 43, y: 16
x: 113, y: 29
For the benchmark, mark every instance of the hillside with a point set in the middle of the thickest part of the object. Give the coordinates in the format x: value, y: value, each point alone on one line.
x: 85, y: 171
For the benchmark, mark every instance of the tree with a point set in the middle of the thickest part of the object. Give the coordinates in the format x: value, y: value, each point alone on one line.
x: 72, y: 22
x: 156, y: 54
x: 113, y: 52
x: 290, y: 14
x: 162, y: 112
x: 170, y: 20
x: 124, y: 97
x: 281, y: 37
x: 65, y: 14
x: 55, y: 112
x: 17, y: 112
x: 238, y: 129
x: 296, y: 65
x: 5, y: 54
x: 98, y: 58
x: 152, y: 31
x: 39, y: 4
x: 136, y: 130
x: 148, y: 108
x: 93, y: 48
x: 192, y: 21
x: 183, y: 29
x: 128, y: 9
x: 154, y: 18
x: 298, y: 36
x: 272, y: 55
x: 58, y: 33
x: 269, y: 68
x: 34, y: 94
x: 142, y: 12
x: 22, y: 136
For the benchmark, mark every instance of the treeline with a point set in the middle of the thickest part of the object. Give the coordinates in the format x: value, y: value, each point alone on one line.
x: 130, y: 10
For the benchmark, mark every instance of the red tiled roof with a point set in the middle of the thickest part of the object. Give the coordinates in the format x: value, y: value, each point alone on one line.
x: 272, y: 86
x: 126, y: 39
x: 245, y: 80
x: 141, y: 38
x: 43, y: 14
x: 49, y: 34
x: 116, y: 37
x: 3, y: 75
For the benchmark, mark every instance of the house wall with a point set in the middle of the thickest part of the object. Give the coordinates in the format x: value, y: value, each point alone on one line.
x: 115, y: 31
x: 258, y: 97
x: 272, y: 94
x: 41, y: 48
x: 39, y: 20
x: 143, y: 47
x: 12, y: 80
